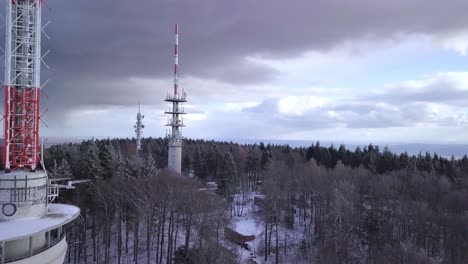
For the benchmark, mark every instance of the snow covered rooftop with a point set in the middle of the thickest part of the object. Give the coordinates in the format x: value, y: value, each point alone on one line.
x: 57, y: 215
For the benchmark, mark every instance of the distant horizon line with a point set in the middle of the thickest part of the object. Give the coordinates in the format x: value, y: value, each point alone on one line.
x: 264, y: 140
x: 412, y: 148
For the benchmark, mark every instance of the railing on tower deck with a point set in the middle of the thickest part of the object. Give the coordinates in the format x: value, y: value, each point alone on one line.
x: 53, y: 192
x: 176, y: 98
x: 23, y: 190
x: 179, y: 110
x: 175, y: 122
x: 174, y: 136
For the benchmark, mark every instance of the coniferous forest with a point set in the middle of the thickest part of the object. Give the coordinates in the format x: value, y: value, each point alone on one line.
x: 365, y: 205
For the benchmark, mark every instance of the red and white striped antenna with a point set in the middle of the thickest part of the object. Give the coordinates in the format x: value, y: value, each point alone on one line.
x: 176, y: 61
x: 175, y: 120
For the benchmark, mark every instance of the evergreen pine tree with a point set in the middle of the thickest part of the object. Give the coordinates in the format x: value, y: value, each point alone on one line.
x: 107, y: 158
x: 199, y: 166
x: 150, y: 168
x: 54, y: 171
x: 65, y: 169
x: 228, y: 176
x: 186, y: 164
x: 91, y: 163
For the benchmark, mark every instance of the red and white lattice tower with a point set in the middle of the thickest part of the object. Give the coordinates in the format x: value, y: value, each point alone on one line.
x: 31, y: 226
x: 22, y: 84
x: 175, y: 120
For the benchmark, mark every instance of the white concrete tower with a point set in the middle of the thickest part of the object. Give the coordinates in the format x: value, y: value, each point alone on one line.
x: 139, y: 129
x: 31, y: 227
x: 175, y: 120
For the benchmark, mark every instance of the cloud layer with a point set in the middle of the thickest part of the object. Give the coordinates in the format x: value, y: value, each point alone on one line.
x: 111, y: 53
x: 439, y: 100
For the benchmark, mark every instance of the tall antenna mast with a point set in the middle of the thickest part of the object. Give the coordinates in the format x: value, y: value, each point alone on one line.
x: 26, y: 192
x: 175, y: 120
x: 139, y: 129
x: 176, y: 61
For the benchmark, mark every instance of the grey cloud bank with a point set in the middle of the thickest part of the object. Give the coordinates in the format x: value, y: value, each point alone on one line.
x: 100, y: 48
x: 106, y: 41
x: 400, y: 106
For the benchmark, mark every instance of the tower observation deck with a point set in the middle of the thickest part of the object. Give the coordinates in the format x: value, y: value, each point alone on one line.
x: 175, y: 120
x: 31, y: 227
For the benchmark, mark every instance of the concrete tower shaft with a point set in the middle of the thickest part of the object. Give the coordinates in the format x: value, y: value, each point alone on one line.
x: 175, y: 120
x: 22, y: 84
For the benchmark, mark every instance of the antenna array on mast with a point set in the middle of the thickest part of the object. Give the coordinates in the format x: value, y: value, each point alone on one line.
x: 175, y: 120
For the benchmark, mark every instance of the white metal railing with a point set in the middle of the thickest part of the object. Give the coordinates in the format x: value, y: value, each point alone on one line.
x: 180, y: 110
x: 176, y: 97
x: 21, y: 191
x: 175, y: 122
x: 52, y: 192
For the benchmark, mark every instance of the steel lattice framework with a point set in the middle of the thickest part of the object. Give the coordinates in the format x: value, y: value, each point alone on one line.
x: 22, y: 84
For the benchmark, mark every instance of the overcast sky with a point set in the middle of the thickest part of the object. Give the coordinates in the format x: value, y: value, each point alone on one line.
x: 332, y: 70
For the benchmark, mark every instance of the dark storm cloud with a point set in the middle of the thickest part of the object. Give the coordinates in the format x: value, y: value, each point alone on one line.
x: 97, y: 45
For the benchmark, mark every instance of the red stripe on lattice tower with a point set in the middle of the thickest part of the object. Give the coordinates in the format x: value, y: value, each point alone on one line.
x: 21, y: 128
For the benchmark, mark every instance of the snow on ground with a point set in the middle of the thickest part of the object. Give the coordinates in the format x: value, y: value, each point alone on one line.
x: 247, y: 225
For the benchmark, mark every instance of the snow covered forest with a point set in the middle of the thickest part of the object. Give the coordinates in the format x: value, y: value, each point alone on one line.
x: 312, y: 205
